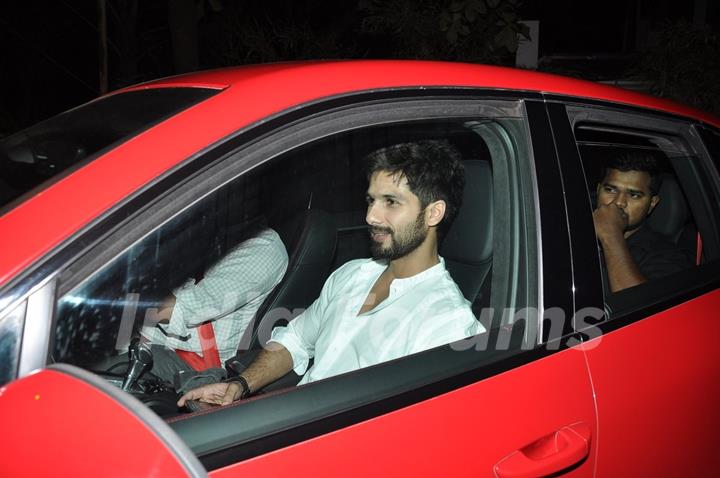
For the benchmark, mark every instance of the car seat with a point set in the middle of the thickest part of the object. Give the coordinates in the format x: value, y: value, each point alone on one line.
x: 670, y: 218
x: 310, y: 239
x: 468, y: 246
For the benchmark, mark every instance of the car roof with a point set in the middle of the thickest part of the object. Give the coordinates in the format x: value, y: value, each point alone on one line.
x: 299, y: 82
x: 250, y: 94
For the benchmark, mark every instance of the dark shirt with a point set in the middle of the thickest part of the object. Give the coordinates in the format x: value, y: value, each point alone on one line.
x: 654, y: 255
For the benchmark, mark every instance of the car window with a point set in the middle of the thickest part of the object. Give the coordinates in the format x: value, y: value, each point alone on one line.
x: 44, y: 151
x: 644, y: 174
x: 290, y: 219
x: 11, y: 330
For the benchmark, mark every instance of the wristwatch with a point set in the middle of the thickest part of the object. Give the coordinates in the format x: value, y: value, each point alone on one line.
x: 243, y: 384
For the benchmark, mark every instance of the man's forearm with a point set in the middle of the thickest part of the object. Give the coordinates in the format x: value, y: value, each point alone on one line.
x: 271, y: 364
x: 621, y: 268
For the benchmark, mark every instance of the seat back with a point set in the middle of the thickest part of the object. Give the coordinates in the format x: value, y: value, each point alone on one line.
x: 670, y: 215
x: 310, y: 239
x: 468, y: 245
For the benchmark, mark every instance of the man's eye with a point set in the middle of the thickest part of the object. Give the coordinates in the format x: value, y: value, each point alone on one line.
x: 369, y: 200
x: 390, y: 202
x: 608, y: 189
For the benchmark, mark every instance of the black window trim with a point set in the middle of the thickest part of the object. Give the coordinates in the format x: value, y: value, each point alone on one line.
x: 556, y: 275
x: 587, y: 290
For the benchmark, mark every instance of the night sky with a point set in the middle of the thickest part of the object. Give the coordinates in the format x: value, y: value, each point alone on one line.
x: 50, y: 52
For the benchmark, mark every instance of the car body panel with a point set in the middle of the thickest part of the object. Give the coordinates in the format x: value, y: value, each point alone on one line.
x: 656, y: 395
x: 465, y: 432
x: 59, y: 429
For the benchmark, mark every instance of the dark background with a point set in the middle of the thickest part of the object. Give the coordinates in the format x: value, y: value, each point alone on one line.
x: 51, y: 50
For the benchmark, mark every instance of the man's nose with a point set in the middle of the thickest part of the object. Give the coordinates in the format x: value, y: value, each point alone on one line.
x: 621, y: 200
x: 371, y: 217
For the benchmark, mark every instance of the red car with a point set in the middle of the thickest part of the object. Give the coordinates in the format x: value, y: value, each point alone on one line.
x: 109, y: 206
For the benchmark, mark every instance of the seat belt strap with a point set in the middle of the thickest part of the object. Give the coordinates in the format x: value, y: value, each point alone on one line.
x: 210, y: 357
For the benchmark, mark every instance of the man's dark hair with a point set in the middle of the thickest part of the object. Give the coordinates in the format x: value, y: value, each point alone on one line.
x: 637, y: 161
x: 433, y: 169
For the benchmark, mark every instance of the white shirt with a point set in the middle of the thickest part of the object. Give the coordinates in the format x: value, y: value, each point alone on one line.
x: 229, y: 295
x: 421, y: 312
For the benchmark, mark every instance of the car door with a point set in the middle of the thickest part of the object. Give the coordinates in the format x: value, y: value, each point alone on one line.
x: 654, y: 375
x: 66, y: 415
x: 515, y: 401
x: 510, y: 412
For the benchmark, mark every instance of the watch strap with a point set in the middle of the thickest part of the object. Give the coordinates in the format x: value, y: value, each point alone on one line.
x: 243, y: 384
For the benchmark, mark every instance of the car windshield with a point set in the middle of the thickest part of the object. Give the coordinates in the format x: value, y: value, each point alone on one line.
x: 44, y: 151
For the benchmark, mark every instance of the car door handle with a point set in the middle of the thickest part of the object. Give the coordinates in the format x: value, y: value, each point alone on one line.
x: 550, y: 454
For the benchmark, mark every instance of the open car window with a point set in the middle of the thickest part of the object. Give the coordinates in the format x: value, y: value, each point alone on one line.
x: 302, y: 205
x: 676, y: 234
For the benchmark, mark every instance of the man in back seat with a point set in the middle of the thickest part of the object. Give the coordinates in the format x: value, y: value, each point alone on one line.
x: 400, y: 302
x: 633, y: 253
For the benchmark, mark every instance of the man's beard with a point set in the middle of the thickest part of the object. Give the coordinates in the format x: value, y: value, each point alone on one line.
x: 402, y: 243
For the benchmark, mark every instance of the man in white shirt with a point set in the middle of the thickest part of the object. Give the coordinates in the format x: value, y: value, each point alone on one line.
x: 228, y: 296
x: 372, y: 310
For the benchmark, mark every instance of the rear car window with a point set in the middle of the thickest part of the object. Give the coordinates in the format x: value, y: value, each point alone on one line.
x: 44, y: 151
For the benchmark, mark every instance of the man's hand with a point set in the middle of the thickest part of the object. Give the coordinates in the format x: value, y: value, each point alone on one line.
x: 215, y: 393
x: 610, y: 221
x: 271, y: 364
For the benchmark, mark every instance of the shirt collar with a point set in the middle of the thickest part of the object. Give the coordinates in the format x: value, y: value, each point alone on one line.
x: 399, y: 286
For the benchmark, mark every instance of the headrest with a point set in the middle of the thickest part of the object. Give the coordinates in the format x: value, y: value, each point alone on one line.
x: 669, y: 216
x: 470, y: 238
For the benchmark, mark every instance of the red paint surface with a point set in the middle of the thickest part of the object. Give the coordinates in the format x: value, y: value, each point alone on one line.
x: 657, y: 384
x: 57, y: 425
x: 55, y: 214
x: 461, y: 433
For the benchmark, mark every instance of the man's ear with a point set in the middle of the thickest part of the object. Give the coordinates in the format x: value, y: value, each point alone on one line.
x: 653, y: 202
x: 434, y: 213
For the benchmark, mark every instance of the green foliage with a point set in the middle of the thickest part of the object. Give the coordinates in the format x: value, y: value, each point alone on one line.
x: 484, y: 31
x: 684, y: 66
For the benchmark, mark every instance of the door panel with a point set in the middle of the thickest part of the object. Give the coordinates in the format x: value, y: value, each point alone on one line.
x: 657, y: 388
x: 462, y: 433
x: 65, y: 421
